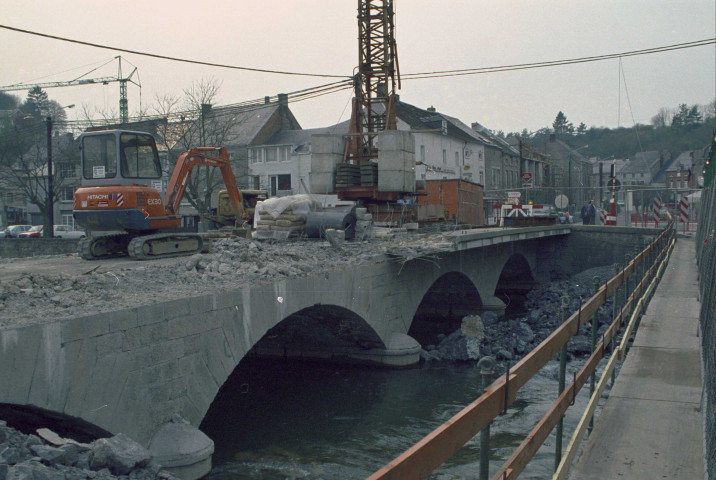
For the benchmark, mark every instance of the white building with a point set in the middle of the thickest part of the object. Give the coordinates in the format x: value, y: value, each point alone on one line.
x: 445, y: 148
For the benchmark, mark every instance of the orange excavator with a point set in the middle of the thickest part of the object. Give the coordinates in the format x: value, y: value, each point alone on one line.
x: 120, y: 201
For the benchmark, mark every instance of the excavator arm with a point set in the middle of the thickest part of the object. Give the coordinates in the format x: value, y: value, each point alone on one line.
x: 207, y: 156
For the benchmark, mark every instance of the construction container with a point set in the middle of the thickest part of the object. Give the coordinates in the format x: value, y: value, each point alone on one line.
x: 461, y: 200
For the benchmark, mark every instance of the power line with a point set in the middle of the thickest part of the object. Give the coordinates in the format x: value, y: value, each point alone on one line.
x: 553, y: 63
x: 165, y: 57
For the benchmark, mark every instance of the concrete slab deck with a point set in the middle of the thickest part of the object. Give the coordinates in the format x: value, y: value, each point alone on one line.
x: 651, y: 426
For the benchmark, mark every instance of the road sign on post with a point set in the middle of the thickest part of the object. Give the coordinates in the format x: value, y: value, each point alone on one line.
x: 526, y: 180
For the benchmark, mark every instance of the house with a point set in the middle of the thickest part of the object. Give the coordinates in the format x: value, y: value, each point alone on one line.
x: 445, y: 148
x: 237, y: 128
x: 642, y: 169
x: 571, y: 171
x: 282, y: 165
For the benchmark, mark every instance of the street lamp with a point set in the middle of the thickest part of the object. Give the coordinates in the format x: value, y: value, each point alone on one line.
x: 50, y: 230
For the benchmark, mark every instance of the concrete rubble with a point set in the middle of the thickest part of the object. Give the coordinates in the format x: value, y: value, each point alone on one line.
x: 54, y: 458
x: 232, y: 262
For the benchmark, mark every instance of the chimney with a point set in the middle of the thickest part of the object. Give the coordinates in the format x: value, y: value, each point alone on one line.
x: 205, y: 108
x: 283, y: 99
x: 431, y: 109
x: 267, y: 100
x: 552, y: 137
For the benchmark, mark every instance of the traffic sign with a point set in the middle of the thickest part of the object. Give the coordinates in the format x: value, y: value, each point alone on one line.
x: 561, y: 201
x: 614, y: 183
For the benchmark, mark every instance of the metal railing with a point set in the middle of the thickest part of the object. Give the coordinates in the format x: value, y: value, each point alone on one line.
x: 429, y: 453
x: 706, y: 257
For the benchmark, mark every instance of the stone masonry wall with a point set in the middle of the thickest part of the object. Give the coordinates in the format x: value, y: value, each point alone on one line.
x: 31, y: 247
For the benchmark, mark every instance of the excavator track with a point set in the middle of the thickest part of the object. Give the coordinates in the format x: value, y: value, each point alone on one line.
x: 105, y: 246
x: 164, y: 245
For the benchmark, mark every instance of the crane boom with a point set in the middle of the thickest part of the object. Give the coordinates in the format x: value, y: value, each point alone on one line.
x: 123, y: 103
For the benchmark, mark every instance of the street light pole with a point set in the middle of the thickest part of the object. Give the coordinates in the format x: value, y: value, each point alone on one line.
x: 50, y: 227
x: 50, y: 230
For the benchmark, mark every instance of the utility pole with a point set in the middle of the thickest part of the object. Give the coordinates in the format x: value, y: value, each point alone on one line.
x: 50, y: 224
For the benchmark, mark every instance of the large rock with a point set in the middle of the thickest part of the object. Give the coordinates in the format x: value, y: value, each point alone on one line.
x: 120, y: 454
x: 472, y: 327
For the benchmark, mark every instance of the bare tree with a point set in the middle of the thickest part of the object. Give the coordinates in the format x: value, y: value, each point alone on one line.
x: 193, y: 123
x: 23, y: 163
x: 662, y: 118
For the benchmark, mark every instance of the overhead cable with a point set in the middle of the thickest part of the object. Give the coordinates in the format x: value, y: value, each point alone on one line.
x: 552, y: 63
x: 166, y: 57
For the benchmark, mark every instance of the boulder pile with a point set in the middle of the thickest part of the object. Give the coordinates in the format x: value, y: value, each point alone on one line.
x: 510, y: 340
x: 49, y: 457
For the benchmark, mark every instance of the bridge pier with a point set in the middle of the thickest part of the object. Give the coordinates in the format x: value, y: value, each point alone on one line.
x: 182, y: 449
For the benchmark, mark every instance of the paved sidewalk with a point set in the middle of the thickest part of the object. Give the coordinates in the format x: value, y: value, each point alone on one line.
x: 651, y: 426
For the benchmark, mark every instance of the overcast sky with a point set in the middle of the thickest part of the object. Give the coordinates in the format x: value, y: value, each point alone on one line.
x: 320, y: 36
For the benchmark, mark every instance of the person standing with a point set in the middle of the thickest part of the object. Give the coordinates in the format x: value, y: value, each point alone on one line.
x: 584, y: 214
x: 592, y: 212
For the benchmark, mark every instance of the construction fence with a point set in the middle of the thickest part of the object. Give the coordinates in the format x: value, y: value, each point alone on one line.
x: 706, y: 258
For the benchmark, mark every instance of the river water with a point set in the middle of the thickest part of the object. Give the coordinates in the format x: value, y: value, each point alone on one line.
x: 276, y: 420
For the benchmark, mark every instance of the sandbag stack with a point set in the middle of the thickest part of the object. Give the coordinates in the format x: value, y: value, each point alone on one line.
x: 282, y: 217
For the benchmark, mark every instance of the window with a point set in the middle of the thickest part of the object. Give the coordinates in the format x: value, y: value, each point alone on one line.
x: 422, y: 153
x: 67, y: 194
x: 255, y: 155
x: 66, y: 170
x: 457, y: 159
x: 99, y: 157
x: 283, y: 154
x: 271, y: 155
x: 255, y: 181
x: 495, y: 177
x: 139, y: 157
x: 284, y: 182
x: 444, y: 157
x: 68, y: 220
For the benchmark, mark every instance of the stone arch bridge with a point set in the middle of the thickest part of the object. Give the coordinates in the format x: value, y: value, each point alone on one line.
x: 131, y: 370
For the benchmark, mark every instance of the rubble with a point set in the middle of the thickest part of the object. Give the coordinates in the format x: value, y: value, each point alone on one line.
x: 513, y: 339
x: 28, y: 456
x: 232, y: 262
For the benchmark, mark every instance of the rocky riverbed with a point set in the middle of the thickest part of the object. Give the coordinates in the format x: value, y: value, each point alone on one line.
x: 510, y: 340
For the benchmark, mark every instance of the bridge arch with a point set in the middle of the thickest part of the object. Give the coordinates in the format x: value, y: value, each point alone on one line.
x: 319, y: 331
x: 450, y: 297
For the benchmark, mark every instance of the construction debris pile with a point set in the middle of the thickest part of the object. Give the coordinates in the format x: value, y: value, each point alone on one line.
x: 49, y: 456
x: 232, y: 263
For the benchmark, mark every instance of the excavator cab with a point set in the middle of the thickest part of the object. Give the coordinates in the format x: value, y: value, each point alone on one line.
x: 119, y: 157
x: 121, y: 184
x: 120, y: 201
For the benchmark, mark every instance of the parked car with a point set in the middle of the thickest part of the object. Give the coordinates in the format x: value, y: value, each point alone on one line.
x: 563, y: 218
x: 14, y: 230
x: 544, y: 211
x: 35, y: 231
x: 67, y: 231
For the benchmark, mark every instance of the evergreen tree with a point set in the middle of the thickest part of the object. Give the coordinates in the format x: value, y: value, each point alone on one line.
x: 560, y: 124
x: 686, y: 116
x: 36, y: 104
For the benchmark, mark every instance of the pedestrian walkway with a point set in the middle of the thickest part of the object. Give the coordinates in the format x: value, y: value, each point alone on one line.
x: 651, y: 426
